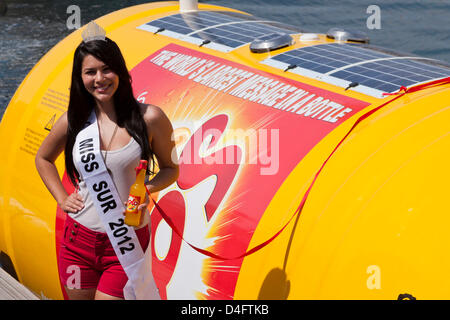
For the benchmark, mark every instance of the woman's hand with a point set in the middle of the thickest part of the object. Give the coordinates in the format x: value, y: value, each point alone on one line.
x: 72, y: 203
x: 142, y: 208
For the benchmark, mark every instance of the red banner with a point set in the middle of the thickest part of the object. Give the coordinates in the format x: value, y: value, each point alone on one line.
x: 239, y: 133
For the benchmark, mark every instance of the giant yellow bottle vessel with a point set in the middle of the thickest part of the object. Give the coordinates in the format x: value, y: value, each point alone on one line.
x: 133, y: 216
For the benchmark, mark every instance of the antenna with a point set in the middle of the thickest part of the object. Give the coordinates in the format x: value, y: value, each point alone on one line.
x: 188, y: 5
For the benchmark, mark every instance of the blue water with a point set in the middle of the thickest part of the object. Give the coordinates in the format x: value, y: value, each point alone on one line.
x: 32, y: 27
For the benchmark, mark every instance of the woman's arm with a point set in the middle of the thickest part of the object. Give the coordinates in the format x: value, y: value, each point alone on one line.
x: 160, y: 137
x: 50, y: 149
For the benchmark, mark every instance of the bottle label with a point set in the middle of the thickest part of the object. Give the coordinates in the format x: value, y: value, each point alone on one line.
x: 133, y: 203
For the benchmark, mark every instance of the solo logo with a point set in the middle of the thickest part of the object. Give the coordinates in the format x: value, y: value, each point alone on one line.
x: 192, y: 206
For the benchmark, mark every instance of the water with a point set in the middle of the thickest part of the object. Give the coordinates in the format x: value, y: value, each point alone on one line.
x: 30, y: 28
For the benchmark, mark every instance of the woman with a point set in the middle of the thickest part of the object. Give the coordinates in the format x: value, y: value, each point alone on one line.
x: 128, y: 131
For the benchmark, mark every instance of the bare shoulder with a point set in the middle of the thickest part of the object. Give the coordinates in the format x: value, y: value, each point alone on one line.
x: 153, y: 115
x: 61, y: 124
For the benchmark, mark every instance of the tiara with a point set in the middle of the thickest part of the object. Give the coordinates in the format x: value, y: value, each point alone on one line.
x: 93, y: 32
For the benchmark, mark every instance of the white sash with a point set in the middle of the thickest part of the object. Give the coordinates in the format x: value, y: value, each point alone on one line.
x: 110, y: 208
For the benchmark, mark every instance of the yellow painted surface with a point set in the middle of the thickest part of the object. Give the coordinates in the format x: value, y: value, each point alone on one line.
x: 375, y: 224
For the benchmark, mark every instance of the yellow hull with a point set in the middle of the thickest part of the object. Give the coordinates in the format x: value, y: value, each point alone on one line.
x: 373, y: 227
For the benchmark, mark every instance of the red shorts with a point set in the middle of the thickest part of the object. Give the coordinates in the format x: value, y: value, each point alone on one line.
x: 87, y: 259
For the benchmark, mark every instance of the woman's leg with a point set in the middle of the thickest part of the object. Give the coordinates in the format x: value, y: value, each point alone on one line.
x: 113, y: 278
x: 81, y: 294
x: 103, y: 296
x: 77, y: 260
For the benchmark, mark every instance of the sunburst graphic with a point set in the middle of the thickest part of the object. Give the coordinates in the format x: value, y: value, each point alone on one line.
x: 192, y: 274
x: 218, y: 234
x: 219, y: 201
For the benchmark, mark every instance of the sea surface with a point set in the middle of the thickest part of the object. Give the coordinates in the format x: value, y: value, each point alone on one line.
x: 30, y: 28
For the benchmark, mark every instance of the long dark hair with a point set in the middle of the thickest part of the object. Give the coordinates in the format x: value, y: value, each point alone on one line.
x: 81, y: 102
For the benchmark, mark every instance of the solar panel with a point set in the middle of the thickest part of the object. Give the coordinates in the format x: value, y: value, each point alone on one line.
x: 368, y: 69
x: 219, y: 30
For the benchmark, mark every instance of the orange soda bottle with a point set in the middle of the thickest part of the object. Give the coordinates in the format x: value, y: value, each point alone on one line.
x: 133, y: 217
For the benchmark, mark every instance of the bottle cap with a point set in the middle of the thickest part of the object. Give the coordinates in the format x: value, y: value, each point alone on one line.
x: 142, y: 166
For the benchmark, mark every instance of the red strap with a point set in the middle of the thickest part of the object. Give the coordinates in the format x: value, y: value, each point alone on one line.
x: 402, y: 88
x: 401, y: 92
x: 420, y: 86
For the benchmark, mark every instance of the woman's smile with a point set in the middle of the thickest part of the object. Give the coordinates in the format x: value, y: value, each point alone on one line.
x: 102, y: 88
